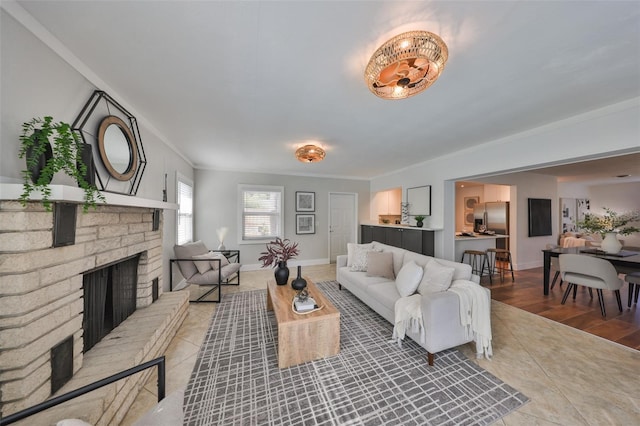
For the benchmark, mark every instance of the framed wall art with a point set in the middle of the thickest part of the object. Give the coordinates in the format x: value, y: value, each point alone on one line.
x: 305, y: 224
x: 469, y: 205
x: 419, y: 200
x: 305, y: 201
x: 539, y: 217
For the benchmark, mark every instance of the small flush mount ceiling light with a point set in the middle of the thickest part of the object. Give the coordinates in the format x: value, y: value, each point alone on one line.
x: 310, y: 154
x: 406, y: 65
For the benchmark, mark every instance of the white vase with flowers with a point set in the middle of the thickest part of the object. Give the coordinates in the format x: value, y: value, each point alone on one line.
x: 610, y: 225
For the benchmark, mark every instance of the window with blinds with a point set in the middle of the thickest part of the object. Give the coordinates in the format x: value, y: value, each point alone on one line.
x: 261, y: 212
x: 185, y: 210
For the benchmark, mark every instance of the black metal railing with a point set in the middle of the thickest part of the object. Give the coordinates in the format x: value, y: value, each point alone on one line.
x: 160, y: 362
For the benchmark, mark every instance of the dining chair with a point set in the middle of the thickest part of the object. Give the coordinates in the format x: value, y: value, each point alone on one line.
x: 633, y: 279
x: 591, y: 272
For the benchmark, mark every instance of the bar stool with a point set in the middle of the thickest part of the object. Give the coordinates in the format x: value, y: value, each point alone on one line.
x: 500, y: 259
x: 478, y: 259
x: 634, y: 280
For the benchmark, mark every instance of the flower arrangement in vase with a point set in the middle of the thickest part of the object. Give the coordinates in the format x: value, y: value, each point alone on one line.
x: 222, y: 233
x: 609, y: 226
x: 279, y: 251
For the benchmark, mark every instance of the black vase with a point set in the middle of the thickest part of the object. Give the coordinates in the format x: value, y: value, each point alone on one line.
x: 419, y: 224
x: 41, y: 161
x: 299, y: 283
x: 282, y: 273
x: 86, y: 156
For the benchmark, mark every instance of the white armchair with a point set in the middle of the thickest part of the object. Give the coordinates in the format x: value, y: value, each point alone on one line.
x: 208, y: 269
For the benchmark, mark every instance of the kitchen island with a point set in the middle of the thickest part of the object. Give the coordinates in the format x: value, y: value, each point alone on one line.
x: 476, y: 242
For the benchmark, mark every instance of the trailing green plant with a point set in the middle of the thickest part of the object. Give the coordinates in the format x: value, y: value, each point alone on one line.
x: 67, y: 150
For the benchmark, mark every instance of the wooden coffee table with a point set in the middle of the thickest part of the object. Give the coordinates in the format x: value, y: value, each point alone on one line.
x: 303, y: 337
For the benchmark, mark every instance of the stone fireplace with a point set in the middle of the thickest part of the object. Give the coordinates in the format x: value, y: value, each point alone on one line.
x: 57, y: 303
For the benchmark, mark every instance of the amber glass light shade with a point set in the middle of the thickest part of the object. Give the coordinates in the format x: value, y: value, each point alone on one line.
x: 406, y: 65
x: 310, y: 154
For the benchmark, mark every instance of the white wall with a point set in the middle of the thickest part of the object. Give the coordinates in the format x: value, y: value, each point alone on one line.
x: 216, y: 206
x: 37, y: 82
x: 614, y: 129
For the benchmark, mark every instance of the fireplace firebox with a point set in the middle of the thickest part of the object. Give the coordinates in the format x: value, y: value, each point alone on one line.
x: 109, y: 298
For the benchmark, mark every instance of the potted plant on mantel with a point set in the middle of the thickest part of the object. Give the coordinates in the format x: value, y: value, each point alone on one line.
x: 44, y: 160
x: 277, y: 254
x: 419, y: 219
x: 609, y: 226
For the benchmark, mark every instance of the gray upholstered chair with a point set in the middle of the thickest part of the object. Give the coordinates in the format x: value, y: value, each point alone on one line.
x: 592, y: 272
x: 205, y: 268
x: 633, y: 279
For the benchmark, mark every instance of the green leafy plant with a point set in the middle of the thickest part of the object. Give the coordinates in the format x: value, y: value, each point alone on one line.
x: 66, y: 157
x: 610, y: 222
x: 419, y: 218
x: 278, y: 250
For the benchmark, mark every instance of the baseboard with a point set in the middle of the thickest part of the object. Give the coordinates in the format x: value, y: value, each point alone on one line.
x: 527, y: 265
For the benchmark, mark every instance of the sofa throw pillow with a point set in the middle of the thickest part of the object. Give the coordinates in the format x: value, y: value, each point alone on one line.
x: 223, y: 261
x: 360, y: 259
x: 204, y: 265
x: 351, y: 249
x: 436, y: 278
x: 409, y: 278
x: 187, y: 251
x: 380, y: 264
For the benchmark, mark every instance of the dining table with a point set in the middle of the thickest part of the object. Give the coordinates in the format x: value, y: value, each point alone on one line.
x: 626, y: 261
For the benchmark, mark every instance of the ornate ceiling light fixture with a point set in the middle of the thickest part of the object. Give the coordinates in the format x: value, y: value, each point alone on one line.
x: 310, y: 154
x: 406, y: 65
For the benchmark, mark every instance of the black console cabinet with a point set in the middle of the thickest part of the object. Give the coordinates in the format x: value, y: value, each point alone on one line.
x: 409, y: 239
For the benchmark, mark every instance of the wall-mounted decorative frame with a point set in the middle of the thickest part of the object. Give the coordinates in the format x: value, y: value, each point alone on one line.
x: 305, y: 224
x: 583, y: 206
x: 567, y: 215
x: 305, y: 201
x: 539, y: 217
x: 419, y: 199
x: 469, y: 205
x: 113, y: 134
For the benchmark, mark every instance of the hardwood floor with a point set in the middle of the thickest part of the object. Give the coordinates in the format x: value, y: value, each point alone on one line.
x: 582, y: 313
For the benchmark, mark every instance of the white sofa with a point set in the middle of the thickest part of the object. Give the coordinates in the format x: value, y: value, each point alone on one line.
x: 440, y: 310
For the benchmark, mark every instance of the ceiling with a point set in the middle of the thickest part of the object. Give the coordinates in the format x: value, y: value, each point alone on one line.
x: 238, y: 85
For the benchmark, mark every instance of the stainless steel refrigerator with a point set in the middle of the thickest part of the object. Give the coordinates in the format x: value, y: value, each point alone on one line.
x: 495, y: 217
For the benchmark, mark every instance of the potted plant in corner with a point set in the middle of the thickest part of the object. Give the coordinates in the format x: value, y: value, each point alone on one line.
x: 44, y: 160
x: 609, y: 226
x: 277, y: 254
x: 419, y: 219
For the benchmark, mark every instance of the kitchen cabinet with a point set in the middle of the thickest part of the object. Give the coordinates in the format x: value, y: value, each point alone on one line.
x: 387, y: 203
x: 394, y: 200
x: 416, y: 240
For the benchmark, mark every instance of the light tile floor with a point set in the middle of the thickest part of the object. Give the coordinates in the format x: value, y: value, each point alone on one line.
x: 571, y: 377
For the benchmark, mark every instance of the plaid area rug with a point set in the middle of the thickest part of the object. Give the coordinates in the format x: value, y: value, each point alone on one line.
x: 236, y: 379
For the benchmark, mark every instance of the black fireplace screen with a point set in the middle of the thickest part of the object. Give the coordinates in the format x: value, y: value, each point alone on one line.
x: 109, y: 298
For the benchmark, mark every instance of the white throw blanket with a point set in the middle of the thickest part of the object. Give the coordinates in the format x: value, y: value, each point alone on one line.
x: 408, y: 316
x: 475, y: 314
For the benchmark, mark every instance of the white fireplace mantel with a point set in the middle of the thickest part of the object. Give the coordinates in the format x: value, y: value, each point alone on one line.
x: 72, y: 194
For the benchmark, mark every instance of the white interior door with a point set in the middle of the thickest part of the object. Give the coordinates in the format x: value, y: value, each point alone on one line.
x: 343, y: 222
